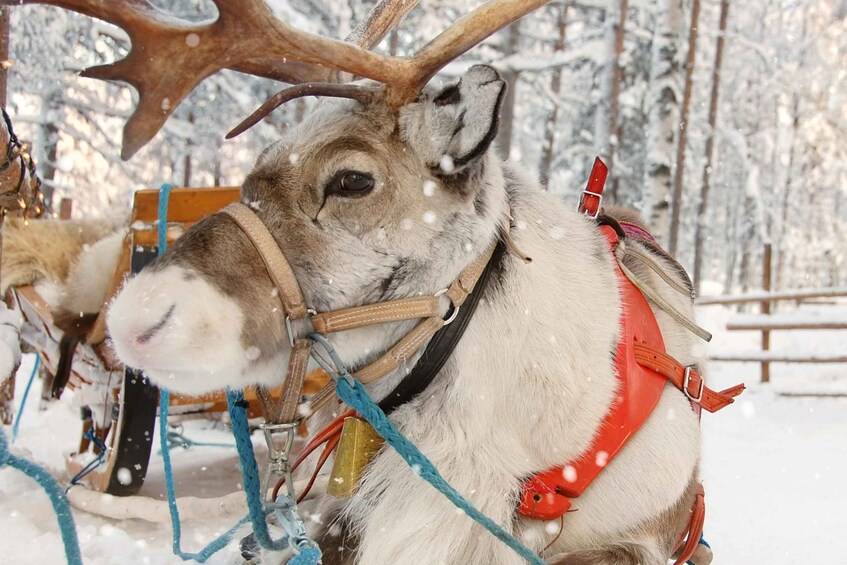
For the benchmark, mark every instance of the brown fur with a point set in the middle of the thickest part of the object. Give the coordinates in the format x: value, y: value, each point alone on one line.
x: 339, y: 549
x: 667, y: 527
x: 45, y: 249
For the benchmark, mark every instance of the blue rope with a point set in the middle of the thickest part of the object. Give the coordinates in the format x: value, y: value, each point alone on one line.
x: 54, y: 491
x: 701, y: 542
x: 306, y: 551
x: 23, y: 399
x: 217, y: 544
x: 177, y: 440
x: 354, y: 395
x: 164, y: 401
x: 250, y: 472
x: 162, y: 224
x: 93, y: 464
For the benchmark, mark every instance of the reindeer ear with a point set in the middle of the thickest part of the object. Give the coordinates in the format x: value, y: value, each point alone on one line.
x: 450, y: 128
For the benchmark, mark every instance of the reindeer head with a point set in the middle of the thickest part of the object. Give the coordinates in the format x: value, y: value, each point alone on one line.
x: 387, y: 196
x: 366, y: 203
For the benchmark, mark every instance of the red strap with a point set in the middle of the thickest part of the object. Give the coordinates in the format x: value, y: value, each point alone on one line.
x: 592, y: 196
x: 330, y: 436
x: 686, y: 379
x: 695, y: 528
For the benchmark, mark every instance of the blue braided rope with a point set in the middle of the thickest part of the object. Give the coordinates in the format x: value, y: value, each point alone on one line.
x: 24, y: 397
x: 217, y: 544
x: 250, y: 472
x: 93, y: 464
x: 352, y: 393
x: 307, y: 556
x: 162, y: 224
x: 164, y: 401
x: 57, y: 498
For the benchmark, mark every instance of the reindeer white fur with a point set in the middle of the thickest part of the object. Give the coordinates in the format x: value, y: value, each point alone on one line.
x: 528, y: 384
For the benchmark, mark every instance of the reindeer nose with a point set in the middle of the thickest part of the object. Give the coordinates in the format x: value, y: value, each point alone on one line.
x: 148, y: 334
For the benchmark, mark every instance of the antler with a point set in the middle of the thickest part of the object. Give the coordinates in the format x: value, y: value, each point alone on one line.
x: 170, y: 57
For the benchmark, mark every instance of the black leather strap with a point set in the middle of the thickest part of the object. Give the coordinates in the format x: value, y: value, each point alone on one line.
x: 441, y: 346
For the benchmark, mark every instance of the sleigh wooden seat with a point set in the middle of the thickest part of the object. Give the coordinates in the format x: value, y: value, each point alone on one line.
x: 137, y: 400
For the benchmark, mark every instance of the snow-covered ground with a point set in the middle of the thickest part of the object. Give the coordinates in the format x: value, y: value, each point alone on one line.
x: 773, y: 468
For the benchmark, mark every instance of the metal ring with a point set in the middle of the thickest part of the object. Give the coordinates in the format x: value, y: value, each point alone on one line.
x: 455, y: 309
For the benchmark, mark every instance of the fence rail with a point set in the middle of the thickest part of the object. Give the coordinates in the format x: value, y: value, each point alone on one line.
x: 765, y: 322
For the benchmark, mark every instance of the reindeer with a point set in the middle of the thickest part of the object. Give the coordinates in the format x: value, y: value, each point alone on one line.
x: 390, y: 192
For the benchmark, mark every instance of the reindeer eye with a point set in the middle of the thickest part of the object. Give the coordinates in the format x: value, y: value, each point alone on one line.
x: 353, y: 184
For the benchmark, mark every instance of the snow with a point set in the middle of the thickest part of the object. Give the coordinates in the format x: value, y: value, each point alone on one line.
x: 773, y: 469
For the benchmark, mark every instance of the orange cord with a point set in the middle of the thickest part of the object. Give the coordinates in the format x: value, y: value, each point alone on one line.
x: 328, y: 434
x: 561, y: 527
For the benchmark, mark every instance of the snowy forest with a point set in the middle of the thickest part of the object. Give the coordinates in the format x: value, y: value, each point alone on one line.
x: 724, y: 123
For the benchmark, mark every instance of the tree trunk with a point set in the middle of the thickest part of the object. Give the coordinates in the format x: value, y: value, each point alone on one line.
x: 699, y: 235
x: 4, y: 53
x: 661, y: 119
x: 617, y: 78
x: 550, y: 128
x: 682, y: 139
x: 47, y: 144
x: 507, y: 114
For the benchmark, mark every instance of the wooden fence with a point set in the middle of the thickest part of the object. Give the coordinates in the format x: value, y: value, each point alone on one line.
x: 766, y: 322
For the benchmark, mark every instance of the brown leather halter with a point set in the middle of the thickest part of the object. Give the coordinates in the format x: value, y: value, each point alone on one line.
x: 425, y: 308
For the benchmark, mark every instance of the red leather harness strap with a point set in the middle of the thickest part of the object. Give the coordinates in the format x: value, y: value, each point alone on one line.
x: 547, y: 495
x: 686, y: 379
x: 642, y: 367
x: 691, y: 537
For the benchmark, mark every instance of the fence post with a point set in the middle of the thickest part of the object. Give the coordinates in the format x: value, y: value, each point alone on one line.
x: 766, y: 309
x: 66, y: 206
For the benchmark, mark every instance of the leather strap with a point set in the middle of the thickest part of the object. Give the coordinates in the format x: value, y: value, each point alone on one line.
x: 464, y: 284
x: 402, y: 351
x: 280, y: 271
x: 411, y: 308
x: 441, y: 346
x: 695, y: 527
x: 298, y: 362
x: 686, y: 379
x: 285, y: 411
x: 294, y: 307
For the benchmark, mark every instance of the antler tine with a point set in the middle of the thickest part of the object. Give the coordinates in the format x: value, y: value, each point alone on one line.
x: 170, y: 57
x: 459, y: 38
x: 382, y: 18
x: 363, y: 94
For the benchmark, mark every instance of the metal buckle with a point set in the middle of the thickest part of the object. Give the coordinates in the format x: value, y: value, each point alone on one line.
x: 455, y: 309
x: 290, y: 331
x: 278, y: 456
x: 687, y: 381
x: 582, y: 201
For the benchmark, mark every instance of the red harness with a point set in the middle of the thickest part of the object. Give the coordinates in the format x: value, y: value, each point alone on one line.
x: 643, y: 367
x: 547, y: 495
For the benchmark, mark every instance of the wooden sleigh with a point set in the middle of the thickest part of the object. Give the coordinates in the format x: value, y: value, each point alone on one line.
x: 126, y: 429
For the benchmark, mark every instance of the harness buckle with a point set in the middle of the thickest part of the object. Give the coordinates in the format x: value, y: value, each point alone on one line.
x: 290, y: 331
x: 687, y: 381
x: 585, y: 210
x: 279, y: 454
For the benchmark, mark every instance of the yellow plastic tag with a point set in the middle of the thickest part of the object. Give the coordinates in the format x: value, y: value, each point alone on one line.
x: 358, y: 445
